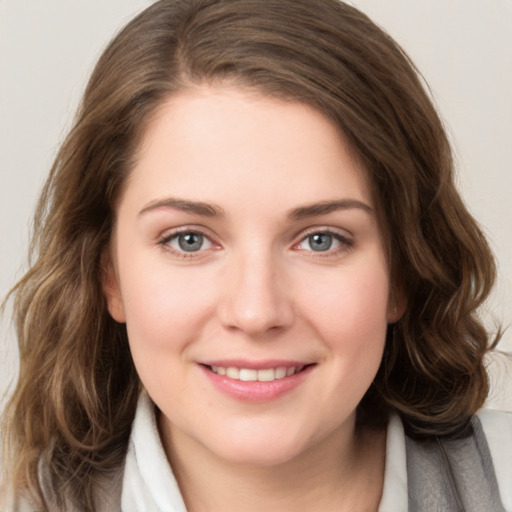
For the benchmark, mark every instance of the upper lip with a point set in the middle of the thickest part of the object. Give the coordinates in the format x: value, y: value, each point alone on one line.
x: 255, y: 365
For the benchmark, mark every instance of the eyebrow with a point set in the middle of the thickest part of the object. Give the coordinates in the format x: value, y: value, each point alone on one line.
x: 325, y: 207
x: 195, y: 207
x: 212, y: 210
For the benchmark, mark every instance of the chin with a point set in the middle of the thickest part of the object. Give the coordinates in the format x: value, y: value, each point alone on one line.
x: 260, y: 455
x: 261, y: 445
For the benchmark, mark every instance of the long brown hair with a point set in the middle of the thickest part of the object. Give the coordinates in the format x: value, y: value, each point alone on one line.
x: 70, y: 415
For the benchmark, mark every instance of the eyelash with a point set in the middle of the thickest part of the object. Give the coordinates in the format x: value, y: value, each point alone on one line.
x: 345, y: 243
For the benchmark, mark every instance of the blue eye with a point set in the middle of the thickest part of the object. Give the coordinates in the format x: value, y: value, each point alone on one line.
x: 189, y: 241
x: 322, y: 242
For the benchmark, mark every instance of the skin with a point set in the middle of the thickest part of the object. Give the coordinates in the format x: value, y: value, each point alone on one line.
x: 255, y: 290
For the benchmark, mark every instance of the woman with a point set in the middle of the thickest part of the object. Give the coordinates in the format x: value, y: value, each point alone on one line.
x: 253, y: 274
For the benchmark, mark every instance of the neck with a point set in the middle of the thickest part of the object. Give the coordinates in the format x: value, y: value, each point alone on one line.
x: 343, y: 472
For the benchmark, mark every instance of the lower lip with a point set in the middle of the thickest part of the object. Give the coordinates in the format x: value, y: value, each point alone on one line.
x: 255, y: 391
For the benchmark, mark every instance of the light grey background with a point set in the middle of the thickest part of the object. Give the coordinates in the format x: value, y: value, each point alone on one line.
x: 462, y: 47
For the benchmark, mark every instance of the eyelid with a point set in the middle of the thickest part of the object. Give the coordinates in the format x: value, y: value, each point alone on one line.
x: 170, y: 233
x: 337, y: 232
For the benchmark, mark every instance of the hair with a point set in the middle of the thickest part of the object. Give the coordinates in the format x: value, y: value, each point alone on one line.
x: 69, y: 417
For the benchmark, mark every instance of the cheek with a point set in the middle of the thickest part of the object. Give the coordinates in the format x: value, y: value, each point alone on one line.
x: 166, y: 312
x: 165, y: 307
x: 348, y: 311
x: 350, y: 300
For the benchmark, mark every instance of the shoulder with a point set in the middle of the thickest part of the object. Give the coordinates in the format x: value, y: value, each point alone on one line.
x: 438, y: 473
x: 497, y: 427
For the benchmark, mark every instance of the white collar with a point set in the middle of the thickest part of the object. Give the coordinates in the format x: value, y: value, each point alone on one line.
x: 148, y: 483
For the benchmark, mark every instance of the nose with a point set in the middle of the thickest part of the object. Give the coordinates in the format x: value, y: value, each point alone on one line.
x: 255, y: 299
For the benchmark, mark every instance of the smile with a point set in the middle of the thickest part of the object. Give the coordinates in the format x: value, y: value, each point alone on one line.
x: 253, y: 375
x: 267, y: 381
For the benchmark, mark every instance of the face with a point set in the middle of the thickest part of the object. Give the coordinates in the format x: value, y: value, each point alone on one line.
x: 249, y: 268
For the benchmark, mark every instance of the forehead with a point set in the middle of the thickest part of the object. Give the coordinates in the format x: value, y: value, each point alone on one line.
x: 228, y: 142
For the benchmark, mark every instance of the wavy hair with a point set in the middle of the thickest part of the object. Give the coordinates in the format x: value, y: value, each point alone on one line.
x: 69, y: 417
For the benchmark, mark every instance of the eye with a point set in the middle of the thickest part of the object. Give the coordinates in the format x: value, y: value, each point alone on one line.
x: 188, y: 241
x: 323, y: 241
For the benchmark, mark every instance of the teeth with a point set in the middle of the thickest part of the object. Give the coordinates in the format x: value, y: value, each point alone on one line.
x: 233, y: 373
x: 267, y: 375
x: 248, y: 375
x: 251, y: 375
x: 281, y: 372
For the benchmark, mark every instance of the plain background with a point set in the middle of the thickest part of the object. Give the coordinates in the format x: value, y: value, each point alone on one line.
x: 462, y: 47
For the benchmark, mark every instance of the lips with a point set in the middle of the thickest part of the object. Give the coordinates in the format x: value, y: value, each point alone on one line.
x: 256, y: 382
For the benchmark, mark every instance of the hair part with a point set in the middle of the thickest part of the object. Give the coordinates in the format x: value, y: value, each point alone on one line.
x: 74, y: 403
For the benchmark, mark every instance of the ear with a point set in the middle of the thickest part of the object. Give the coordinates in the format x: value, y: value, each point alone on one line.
x: 111, y: 290
x: 397, y: 304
